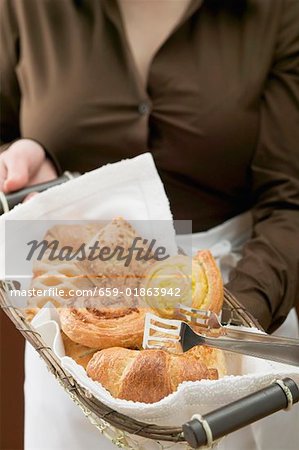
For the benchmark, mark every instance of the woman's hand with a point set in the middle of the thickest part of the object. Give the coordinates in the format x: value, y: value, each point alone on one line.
x: 23, y: 164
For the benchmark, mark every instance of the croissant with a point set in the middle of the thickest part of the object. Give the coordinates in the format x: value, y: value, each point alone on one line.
x: 211, y: 357
x: 145, y: 376
x: 104, y: 327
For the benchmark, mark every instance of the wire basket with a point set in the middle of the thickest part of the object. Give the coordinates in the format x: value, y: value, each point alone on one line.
x: 117, y: 427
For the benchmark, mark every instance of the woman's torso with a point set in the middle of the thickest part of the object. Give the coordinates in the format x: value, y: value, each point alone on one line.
x: 83, y: 97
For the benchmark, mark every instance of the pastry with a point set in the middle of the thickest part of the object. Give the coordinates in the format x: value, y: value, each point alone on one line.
x: 111, y: 320
x: 30, y: 313
x: 195, y: 282
x: 207, y: 284
x: 79, y: 353
x: 73, y: 235
x: 211, y: 357
x: 63, y: 275
x: 145, y: 376
x: 69, y: 276
x: 114, y: 324
x: 104, y: 327
x: 117, y: 272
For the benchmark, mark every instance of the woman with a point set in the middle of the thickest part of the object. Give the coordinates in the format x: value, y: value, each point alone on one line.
x: 210, y: 87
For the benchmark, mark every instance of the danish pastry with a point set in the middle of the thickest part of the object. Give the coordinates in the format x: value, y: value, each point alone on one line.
x: 195, y: 282
x: 104, y: 327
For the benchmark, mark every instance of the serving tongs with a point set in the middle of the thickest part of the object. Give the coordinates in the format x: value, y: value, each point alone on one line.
x: 205, y: 328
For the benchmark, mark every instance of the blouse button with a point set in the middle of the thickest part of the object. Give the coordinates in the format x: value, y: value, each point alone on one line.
x: 144, y: 108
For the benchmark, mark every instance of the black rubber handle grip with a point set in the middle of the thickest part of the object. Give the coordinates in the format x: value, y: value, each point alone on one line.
x: 240, y: 413
x: 17, y: 197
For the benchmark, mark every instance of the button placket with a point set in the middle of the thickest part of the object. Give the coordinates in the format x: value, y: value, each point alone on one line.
x: 144, y: 108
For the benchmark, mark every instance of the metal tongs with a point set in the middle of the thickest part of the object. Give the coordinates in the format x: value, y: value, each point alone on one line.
x: 205, y: 329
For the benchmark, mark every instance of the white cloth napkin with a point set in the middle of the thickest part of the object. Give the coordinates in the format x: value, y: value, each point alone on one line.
x: 130, y: 188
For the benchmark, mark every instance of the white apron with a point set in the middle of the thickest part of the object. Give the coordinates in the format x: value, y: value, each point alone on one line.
x: 54, y: 422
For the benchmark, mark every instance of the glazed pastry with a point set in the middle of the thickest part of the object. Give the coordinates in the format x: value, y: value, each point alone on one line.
x: 145, y: 376
x: 104, y: 327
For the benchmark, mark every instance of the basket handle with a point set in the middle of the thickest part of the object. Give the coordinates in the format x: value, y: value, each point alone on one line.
x: 8, y: 201
x: 204, y: 430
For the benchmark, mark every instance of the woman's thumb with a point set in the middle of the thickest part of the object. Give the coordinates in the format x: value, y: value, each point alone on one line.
x: 17, y: 175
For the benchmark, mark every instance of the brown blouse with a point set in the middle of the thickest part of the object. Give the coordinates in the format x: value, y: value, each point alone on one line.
x: 220, y: 115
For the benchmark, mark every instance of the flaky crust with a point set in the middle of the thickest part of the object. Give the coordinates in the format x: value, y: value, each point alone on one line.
x: 145, y: 376
x: 210, y: 293
x: 211, y: 357
x: 104, y: 328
